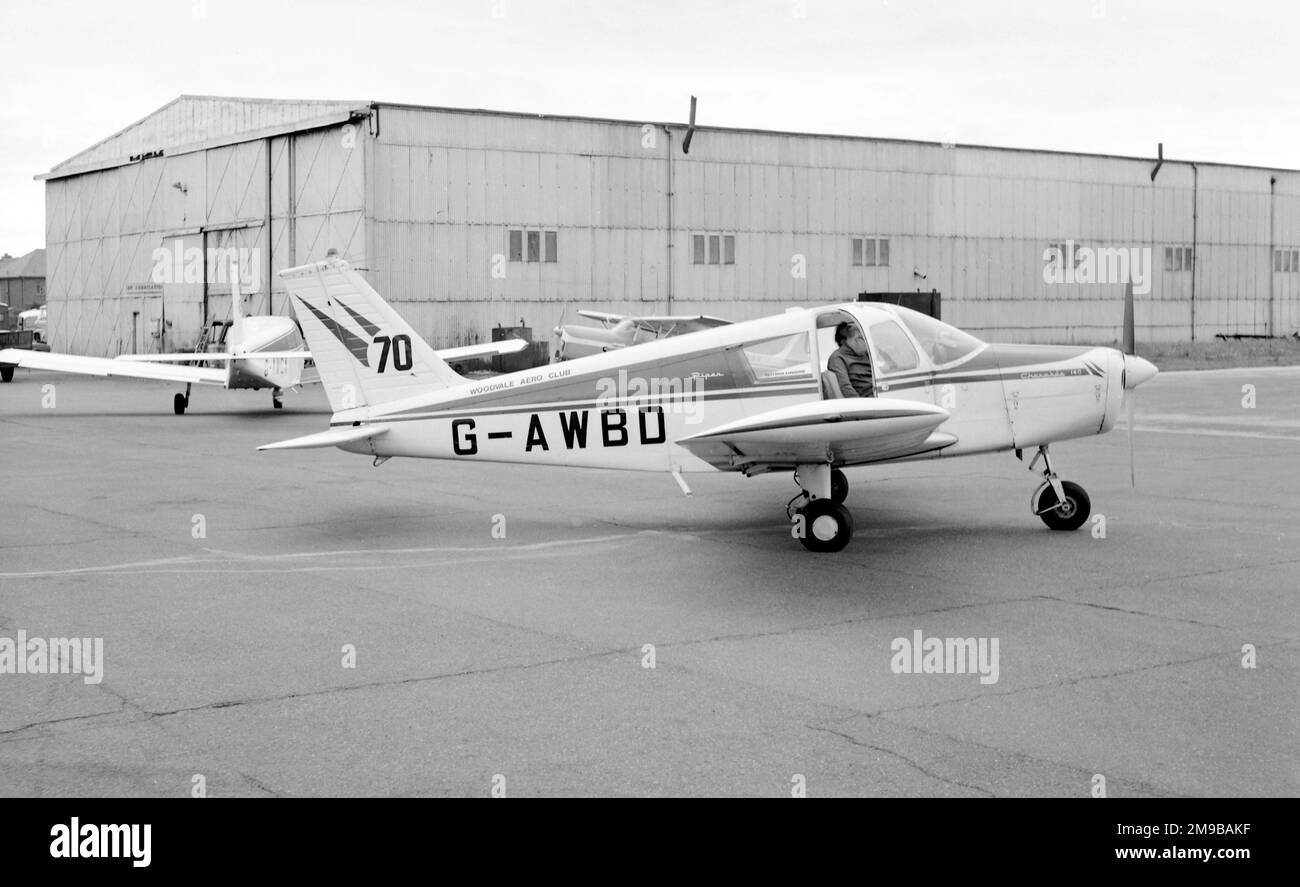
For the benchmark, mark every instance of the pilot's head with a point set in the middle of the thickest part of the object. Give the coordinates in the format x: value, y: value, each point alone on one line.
x: 848, y: 332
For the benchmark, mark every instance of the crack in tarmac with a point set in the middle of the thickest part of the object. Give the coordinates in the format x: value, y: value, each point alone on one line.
x: 1144, y: 786
x: 911, y: 763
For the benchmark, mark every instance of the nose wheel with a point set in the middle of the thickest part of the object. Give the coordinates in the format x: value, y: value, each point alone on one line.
x: 1062, y: 513
x: 1061, y: 504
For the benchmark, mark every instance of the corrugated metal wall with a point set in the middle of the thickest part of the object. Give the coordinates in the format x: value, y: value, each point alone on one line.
x: 103, y: 228
x: 446, y: 187
x: 426, y: 205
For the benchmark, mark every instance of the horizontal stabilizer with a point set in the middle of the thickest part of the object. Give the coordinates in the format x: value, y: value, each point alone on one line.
x: 332, y: 438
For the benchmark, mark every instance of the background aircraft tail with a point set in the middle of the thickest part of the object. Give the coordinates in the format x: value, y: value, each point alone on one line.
x: 365, y: 352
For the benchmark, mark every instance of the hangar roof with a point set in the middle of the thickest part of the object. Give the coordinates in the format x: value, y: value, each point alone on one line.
x: 30, y: 265
x: 195, y: 122
x: 192, y: 122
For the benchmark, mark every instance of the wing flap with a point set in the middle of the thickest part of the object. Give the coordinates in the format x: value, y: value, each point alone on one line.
x: 109, y: 367
x: 332, y: 438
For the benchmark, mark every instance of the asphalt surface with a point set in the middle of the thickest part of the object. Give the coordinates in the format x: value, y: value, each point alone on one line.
x: 520, y: 662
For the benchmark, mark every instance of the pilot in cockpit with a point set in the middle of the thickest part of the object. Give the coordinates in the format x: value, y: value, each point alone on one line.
x: 851, y: 361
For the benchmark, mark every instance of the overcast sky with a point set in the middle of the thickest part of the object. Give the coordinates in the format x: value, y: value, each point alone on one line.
x: 1215, y: 81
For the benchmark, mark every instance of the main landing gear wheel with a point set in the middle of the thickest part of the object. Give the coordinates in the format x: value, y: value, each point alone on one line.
x: 179, y: 403
x: 827, y: 526
x: 839, y: 486
x: 1068, y: 514
x: 7, y: 373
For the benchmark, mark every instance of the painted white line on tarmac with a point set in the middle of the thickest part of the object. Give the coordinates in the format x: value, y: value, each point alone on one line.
x: 179, y: 565
x: 1214, y: 432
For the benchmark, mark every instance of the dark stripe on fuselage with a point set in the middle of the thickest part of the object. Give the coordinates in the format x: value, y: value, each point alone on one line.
x: 625, y: 403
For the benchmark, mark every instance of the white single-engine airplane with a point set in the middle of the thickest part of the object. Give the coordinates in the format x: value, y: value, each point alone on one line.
x: 748, y: 397
x: 262, y: 351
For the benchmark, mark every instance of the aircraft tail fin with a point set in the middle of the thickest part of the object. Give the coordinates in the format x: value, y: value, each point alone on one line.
x: 365, y: 352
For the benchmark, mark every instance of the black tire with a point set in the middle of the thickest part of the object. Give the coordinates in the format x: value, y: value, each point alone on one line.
x: 179, y: 403
x: 827, y: 526
x: 1068, y: 515
x: 839, y: 486
x: 7, y: 374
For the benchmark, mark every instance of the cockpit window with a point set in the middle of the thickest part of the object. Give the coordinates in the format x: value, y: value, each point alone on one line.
x: 783, y: 359
x: 941, y: 342
x: 893, y: 350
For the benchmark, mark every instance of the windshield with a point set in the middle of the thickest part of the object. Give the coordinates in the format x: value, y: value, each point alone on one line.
x: 943, y: 343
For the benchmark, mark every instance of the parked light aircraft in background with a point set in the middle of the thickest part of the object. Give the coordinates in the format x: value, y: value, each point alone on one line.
x: 262, y: 351
x: 571, y: 341
x: 749, y: 397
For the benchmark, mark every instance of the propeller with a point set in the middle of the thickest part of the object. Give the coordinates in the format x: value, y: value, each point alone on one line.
x: 557, y: 335
x: 1136, y: 371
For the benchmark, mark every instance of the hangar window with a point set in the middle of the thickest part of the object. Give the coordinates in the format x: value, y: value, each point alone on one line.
x: 1286, y: 260
x: 1179, y: 258
x: 527, y: 246
x: 870, y: 251
x: 713, y: 249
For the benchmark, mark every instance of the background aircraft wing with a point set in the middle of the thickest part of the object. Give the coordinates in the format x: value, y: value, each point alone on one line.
x: 602, y: 316
x: 219, y: 356
x: 483, y: 349
x: 104, y: 366
x: 847, y: 431
x: 679, y: 324
x: 660, y: 325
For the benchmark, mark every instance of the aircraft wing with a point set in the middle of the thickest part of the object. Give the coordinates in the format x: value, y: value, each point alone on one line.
x: 678, y: 324
x: 848, y: 431
x: 466, y: 352
x: 104, y: 366
x: 218, y: 356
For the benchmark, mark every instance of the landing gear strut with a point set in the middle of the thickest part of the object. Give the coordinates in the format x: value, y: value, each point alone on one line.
x: 821, y: 522
x: 181, y: 401
x: 1062, y: 504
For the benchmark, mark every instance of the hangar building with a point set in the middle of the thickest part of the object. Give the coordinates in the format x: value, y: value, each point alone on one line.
x: 467, y: 219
